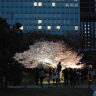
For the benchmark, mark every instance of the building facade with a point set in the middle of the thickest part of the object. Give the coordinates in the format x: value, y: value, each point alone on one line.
x: 50, y: 16
x: 88, y: 23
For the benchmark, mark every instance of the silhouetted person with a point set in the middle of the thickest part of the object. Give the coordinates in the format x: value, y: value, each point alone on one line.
x: 53, y: 75
x: 41, y: 75
x: 90, y: 77
x: 91, y: 74
x: 50, y: 74
x: 59, y: 67
x: 66, y: 76
x: 58, y: 77
x: 78, y: 75
x: 36, y: 76
x: 82, y: 76
x: 72, y: 77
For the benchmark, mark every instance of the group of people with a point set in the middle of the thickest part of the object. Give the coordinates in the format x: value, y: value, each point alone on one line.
x: 78, y: 76
x: 74, y: 76
x: 54, y: 74
x: 71, y: 76
x: 39, y: 74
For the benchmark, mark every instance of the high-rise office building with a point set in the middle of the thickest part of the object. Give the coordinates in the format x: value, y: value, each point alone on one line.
x: 88, y: 23
x: 51, y: 16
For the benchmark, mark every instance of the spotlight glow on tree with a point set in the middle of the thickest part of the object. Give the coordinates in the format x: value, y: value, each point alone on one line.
x: 48, y: 54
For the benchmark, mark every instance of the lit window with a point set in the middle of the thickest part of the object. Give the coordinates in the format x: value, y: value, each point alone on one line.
x: 67, y: 5
x: 48, y: 27
x: 39, y: 27
x: 85, y: 25
x: 85, y: 32
x: 35, y: 3
x: 76, y: 27
x: 39, y: 21
x: 53, y: 4
x: 71, y: 4
x: 76, y: 5
x: 40, y: 4
x: 58, y: 27
x: 88, y: 25
x: 75, y: 0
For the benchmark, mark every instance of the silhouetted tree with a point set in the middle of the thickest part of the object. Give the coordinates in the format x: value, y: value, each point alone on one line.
x: 10, y: 42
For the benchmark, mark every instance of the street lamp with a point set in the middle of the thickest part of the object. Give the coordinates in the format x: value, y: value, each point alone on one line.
x: 89, y: 75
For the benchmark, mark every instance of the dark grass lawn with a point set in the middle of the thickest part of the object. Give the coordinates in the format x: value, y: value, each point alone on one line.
x: 46, y: 92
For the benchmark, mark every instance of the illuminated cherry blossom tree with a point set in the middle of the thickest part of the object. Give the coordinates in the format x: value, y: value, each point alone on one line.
x: 48, y: 54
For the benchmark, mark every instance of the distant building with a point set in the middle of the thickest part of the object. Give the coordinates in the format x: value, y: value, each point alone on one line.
x: 59, y: 17
x: 88, y: 24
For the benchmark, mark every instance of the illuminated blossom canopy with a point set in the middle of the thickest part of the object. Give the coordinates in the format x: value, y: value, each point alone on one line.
x: 48, y: 54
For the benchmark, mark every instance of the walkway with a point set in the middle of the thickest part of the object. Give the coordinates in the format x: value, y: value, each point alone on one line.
x: 93, y: 87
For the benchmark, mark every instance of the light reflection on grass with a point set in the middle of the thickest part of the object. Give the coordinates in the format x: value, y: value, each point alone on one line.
x: 45, y: 81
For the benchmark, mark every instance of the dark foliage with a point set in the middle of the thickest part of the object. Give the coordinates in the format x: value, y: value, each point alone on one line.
x: 13, y: 40
x: 10, y: 43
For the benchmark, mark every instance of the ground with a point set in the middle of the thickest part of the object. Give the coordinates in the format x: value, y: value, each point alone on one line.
x: 46, y: 92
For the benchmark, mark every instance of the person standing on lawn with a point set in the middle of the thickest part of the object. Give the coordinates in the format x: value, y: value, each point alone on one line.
x: 59, y: 67
x: 41, y: 75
